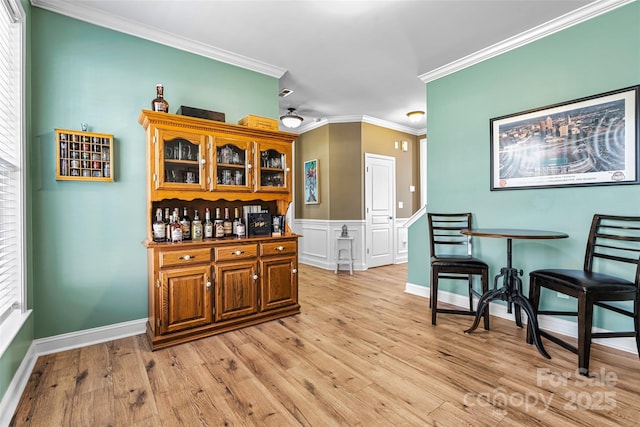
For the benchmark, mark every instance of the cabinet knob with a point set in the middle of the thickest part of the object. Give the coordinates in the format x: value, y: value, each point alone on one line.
x: 249, y: 166
x: 294, y: 271
x: 237, y: 253
x: 203, y: 161
x: 280, y: 248
x: 187, y: 257
x: 255, y: 277
x: 208, y: 284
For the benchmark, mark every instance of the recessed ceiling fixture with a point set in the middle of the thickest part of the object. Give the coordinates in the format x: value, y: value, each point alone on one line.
x: 415, y: 116
x: 285, y: 92
x: 291, y: 119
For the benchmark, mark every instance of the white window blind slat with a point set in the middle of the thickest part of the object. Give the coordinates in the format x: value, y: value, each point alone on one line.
x: 11, y: 277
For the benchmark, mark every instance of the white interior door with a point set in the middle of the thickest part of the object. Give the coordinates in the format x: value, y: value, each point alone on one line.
x: 380, y: 200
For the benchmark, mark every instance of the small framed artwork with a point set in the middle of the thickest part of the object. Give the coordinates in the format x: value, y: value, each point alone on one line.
x: 584, y: 142
x: 311, y: 194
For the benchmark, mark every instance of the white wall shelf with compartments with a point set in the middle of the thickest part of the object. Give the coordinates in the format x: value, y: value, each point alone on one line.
x: 84, y: 156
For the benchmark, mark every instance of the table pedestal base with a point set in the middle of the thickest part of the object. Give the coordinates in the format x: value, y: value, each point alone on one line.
x: 513, y: 296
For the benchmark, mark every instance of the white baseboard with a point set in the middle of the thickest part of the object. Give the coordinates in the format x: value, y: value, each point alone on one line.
x: 87, y: 337
x: 14, y: 392
x: 55, y: 344
x: 549, y: 323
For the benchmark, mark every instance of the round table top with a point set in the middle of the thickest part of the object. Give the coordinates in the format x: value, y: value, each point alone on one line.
x: 514, y: 233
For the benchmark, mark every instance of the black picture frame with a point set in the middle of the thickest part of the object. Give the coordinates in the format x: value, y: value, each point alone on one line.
x: 584, y: 142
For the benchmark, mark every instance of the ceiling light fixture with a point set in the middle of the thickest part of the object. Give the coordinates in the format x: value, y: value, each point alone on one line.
x: 291, y: 119
x: 415, y: 116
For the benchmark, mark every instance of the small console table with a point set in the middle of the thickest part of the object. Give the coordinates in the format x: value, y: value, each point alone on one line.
x: 344, y: 252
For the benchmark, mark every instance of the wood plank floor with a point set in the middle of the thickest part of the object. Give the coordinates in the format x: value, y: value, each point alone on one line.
x: 361, y: 353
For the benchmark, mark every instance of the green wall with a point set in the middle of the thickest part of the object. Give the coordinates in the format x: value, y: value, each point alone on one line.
x: 87, y: 265
x: 596, y: 56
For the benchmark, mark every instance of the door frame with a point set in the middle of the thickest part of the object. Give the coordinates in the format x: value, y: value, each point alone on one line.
x: 367, y: 204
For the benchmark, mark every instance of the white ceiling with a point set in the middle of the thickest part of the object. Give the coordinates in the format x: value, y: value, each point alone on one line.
x: 342, y: 59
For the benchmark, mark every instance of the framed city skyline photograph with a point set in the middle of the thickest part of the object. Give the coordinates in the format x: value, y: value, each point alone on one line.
x: 583, y: 142
x: 311, y: 194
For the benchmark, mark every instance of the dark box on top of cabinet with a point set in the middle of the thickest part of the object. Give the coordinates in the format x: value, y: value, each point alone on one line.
x: 200, y: 113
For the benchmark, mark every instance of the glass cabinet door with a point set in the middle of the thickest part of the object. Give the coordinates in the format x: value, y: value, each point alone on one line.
x: 232, y: 165
x: 181, y: 158
x: 272, y: 167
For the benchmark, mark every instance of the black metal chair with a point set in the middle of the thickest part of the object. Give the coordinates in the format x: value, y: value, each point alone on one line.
x: 451, y: 258
x: 613, y: 249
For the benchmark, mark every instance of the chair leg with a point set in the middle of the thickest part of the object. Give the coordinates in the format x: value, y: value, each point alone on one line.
x: 534, y: 299
x: 636, y: 320
x: 484, y: 278
x: 470, y: 281
x: 585, y: 319
x: 434, y: 295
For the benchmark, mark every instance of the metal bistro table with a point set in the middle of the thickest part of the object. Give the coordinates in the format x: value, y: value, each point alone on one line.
x: 511, y: 290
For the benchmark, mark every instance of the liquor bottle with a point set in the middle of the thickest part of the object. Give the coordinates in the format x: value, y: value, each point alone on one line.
x: 236, y: 220
x: 227, y: 224
x: 208, y: 225
x: 176, y: 227
x: 159, y: 229
x: 196, y: 227
x: 241, y: 229
x: 218, y: 225
x: 185, y: 222
x: 167, y: 223
x: 160, y: 104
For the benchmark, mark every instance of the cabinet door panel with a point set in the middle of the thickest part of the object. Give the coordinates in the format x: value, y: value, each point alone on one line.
x: 279, y: 282
x: 180, y: 160
x: 272, y: 164
x: 185, y: 299
x: 232, y: 164
x: 236, y: 289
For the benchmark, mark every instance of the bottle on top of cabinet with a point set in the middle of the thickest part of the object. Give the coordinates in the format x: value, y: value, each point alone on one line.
x: 159, y: 103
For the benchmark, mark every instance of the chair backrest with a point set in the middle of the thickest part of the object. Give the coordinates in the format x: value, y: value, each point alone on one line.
x: 614, y: 240
x: 444, y: 233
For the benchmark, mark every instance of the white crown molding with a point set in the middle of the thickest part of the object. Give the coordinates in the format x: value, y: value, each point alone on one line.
x: 122, y: 25
x: 582, y: 14
x: 359, y: 119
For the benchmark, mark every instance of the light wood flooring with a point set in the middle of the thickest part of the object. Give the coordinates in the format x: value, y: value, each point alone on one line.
x: 361, y: 353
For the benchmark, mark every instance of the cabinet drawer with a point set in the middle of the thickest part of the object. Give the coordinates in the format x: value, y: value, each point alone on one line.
x: 278, y: 248
x: 184, y: 257
x: 233, y: 252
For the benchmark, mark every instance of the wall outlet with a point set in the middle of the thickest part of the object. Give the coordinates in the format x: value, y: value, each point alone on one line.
x: 405, y: 145
x: 400, y: 205
x: 412, y: 189
x: 395, y: 144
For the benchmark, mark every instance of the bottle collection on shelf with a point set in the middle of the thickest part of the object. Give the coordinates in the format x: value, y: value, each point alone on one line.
x: 175, y: 228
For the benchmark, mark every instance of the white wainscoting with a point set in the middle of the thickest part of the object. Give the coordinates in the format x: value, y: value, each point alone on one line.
x: 317, y: 245
x: 402, y: 241
x: 318, y: 242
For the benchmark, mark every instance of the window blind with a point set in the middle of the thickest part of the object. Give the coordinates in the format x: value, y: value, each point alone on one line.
x: 11, y: 160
